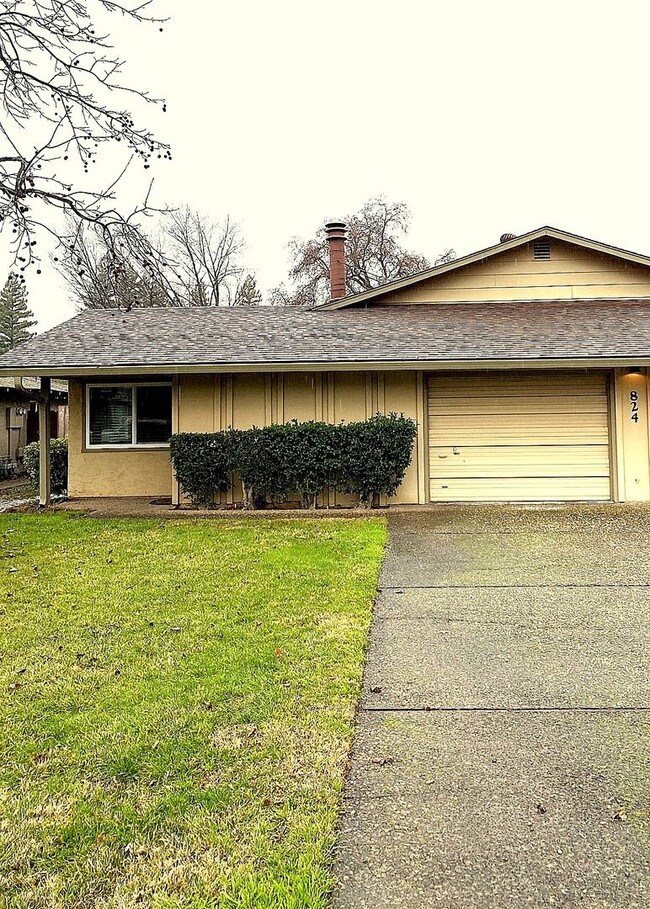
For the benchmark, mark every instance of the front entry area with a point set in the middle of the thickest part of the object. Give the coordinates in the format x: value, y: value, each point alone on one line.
x: 519, y: 437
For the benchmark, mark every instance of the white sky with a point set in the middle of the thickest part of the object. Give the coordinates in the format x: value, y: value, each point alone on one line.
x: 484, y: 117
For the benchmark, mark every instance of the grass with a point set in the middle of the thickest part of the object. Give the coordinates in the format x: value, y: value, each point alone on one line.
x: 176, y: 706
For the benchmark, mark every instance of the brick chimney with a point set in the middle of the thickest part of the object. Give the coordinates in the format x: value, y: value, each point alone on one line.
x: 335, y: 231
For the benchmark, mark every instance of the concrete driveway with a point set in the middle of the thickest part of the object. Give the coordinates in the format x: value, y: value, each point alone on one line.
x: 502, y: 757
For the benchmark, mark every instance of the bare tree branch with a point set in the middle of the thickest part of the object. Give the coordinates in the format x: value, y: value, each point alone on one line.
x: 59, y: 83
x: 194, y: 262
x: 374, y: 255
x: 448, y: 255
x: 206, y: 257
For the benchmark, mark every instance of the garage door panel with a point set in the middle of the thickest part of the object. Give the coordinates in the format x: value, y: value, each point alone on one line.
x: 519, y: 461
x: 518, y: 429
x: 525, y: 404
x: 528, y: 437
x: 481, y: 385
x: 534, y: 489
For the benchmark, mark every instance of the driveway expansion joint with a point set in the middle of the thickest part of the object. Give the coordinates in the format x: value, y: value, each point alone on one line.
x: 513, y: 586
x: 449, y: 620
x: 578, y: 708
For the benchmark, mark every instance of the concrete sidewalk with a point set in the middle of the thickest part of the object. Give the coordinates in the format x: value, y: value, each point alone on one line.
x: 502, y: 754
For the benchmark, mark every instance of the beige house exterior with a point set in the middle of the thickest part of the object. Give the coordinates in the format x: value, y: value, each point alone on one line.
x: 525, y: 366
x: 211, y: 402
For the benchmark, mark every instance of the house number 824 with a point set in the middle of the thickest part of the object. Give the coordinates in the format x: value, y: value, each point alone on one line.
x: 634, y: 406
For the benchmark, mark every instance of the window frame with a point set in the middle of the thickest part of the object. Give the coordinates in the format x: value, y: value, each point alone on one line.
x: 127, y: 446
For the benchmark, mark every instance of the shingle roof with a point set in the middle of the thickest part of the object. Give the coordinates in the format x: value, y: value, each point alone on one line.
x: 223, y: 337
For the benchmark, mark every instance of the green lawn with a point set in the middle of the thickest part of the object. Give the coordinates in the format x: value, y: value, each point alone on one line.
x: 176, y: 703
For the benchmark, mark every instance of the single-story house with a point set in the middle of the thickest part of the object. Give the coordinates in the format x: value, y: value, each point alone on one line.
x: 524, y: 364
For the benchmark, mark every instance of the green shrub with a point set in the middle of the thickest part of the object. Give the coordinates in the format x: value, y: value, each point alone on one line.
x: 263, y: 458
x: 58, y: 465
x: 368, y: 458
x: 375, y: 455
x: 203, y: 463
x: 315, y: 457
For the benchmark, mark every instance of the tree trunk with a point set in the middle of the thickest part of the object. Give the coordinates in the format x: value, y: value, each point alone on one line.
x: 248, y: 494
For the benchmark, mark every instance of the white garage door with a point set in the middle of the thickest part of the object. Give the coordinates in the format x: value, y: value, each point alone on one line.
x: 528, y: 437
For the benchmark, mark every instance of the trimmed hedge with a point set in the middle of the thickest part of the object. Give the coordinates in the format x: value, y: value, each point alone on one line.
x: 58, y: 465
x: 315, y: 458
x: 368, y: 458
x: 203, y: 463
x: 262, y: 459
x: 376, y: 453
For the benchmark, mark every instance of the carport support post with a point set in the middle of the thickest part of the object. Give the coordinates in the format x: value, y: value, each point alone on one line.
x: 44, y: 443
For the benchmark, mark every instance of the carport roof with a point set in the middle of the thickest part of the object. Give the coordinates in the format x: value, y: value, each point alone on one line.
x: 222, y: 339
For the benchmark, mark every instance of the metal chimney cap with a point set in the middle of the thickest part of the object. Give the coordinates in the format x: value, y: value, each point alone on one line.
x: 336, y: 228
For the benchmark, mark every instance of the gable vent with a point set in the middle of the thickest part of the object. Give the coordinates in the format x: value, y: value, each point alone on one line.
x: 542, y: 248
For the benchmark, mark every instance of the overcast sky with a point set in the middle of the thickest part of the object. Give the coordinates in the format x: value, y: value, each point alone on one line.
x: 485, y: 116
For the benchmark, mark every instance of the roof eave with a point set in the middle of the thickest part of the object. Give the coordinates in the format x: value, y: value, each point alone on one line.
x: 172, y: 369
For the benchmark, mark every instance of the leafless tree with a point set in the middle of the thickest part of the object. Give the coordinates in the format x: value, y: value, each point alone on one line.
x: 308, y: 294
x: 374, y: 255
x: 196, y: 263
x: 448, y: 255
x: 205, y: 257
x: 103, y: 277
x: 63, y: 102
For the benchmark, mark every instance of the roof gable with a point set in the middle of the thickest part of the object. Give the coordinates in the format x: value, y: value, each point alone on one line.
x: 447, y: 279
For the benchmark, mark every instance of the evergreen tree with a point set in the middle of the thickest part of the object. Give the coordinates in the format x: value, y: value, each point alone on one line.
x: 248, y: 293
x: 16, y: 318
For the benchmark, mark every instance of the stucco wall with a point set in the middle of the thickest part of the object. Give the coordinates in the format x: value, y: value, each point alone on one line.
x: 119, y: 472
x: 401, y: 394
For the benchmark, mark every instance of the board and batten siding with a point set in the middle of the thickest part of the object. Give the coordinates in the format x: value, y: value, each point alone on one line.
x: 571, y: 273
x: 569, y: 407
x: 209, y: 403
